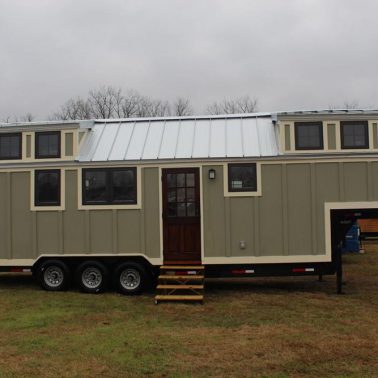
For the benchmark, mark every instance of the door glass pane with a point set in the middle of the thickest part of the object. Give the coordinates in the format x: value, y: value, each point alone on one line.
x: 190, y: 179
x: 181, y: 195
x: 190, y: 194
x: 191, y: 208
x: 181, y: 209
x: 171, y: 210
x: 180, y: 180
x: 171, y: 180
x: 172, y: 195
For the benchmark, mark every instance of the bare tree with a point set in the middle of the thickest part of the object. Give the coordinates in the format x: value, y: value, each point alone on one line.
x: 104, y: 101
x: 181, y: 107
x: 347, y: 105
x: 244, y: 104
x: 350, y: 105
x: 6, y: 119
x: 130, y: 105
x: 28, y: 117
x: 75, y: 108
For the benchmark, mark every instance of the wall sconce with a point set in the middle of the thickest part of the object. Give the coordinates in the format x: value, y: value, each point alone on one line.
x: 211, y: 174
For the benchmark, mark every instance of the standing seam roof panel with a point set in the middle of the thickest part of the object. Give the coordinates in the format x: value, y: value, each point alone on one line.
x: 234, y: 138
x: 185, y: 140
x: 138, y: 138
x: 201, y: 140
x: 152, y: 145
x: 182, y: 138
x: 106, y: 141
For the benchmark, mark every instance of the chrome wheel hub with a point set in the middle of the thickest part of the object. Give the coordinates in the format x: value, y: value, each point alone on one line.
x: 91, y: 277
x: 130, y: 279
x: 53, y: 276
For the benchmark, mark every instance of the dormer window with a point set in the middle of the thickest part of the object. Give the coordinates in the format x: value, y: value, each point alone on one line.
x: 354, y: 134
x: 10, y: 146
x: 47, y: 145
x: 308, y: 135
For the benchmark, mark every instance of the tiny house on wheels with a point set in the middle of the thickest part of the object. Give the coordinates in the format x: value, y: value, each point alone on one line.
x: 116, y: 201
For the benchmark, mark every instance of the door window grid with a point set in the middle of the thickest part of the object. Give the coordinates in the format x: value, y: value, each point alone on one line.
x: 181, y: 195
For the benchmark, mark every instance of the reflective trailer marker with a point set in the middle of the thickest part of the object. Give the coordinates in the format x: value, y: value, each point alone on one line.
x: 20, y: 270
x: 303, y: 270
x: 242, y: 271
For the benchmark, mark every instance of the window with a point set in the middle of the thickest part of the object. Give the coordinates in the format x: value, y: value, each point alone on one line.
x: 47, y: 187
x: 47, y: 144
x: 242, y: 178
x: 308, y: 135
x: 354, y: 134
x: 110, y: 186
x: 182, y: 194
x: 10, y: 146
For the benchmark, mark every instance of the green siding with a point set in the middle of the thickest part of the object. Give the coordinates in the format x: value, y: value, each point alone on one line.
x: 299, y: 209
x: 287, y: 138
x: 73, y: 219
x: 20, y: 216
x: 150, y: 228
x: 288, y: 219
x: 355, y: 181
x: 48, y: 232
x: 69, y: 144
x: 214, y: 210
x: 331, y: 132
x: 271, y: 212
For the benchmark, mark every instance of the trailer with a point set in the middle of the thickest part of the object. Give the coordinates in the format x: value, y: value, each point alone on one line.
x: 131, y: 202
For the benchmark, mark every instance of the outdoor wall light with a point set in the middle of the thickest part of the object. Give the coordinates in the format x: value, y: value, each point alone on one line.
x: 211, y: 174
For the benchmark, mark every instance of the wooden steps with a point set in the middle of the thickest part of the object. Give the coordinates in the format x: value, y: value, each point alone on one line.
x: 179, y: 297
x: 180, y: 283
x: 181, y: 277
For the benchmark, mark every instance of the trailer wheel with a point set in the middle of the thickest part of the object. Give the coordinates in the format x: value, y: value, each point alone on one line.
x: 92, y: 277
x: 130, y: 278
x: 53, y: 275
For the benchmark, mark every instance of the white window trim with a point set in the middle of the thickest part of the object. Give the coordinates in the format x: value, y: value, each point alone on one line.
x: 137, y: 205
x: 62, y: 206
x: 326, y: 149
x: 256, y: 193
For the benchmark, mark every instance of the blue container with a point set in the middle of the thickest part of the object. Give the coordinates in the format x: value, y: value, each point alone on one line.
x: 352, y: 240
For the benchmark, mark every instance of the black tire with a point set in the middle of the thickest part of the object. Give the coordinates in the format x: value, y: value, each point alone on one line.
x: 92, y: 277
x: 130, y: 278
x: 53, y: 275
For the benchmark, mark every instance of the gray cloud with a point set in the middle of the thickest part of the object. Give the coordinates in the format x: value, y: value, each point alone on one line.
x: 290, y: 55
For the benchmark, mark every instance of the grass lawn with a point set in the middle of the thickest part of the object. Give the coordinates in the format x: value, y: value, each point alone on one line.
x: 278, y: 327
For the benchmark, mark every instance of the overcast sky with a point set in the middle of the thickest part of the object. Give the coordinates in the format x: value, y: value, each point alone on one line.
x: 293, y: 54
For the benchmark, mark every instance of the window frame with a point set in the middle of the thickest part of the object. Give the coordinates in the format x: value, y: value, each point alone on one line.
x: 38, y: 204
x: 297, y: 125
x: 37, y: 153
x: 242, y: 190
x: 109, y: 187
x: 365, y: 124
x: 19, y: 156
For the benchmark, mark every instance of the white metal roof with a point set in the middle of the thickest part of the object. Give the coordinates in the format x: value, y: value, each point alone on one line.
x: 233, y: 136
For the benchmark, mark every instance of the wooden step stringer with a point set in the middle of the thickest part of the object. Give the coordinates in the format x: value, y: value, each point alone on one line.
x: 180, y: 283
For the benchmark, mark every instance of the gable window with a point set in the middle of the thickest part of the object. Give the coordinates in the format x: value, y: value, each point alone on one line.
x: 242, y: 177
x: 354, y: 134
x: 47, y: 187
x: 47, y: 144
x: 109, y: 186
x: 10, y: 146
x: 308, y: 135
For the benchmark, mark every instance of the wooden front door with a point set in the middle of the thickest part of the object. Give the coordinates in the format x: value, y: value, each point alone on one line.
x: 181, y: 215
